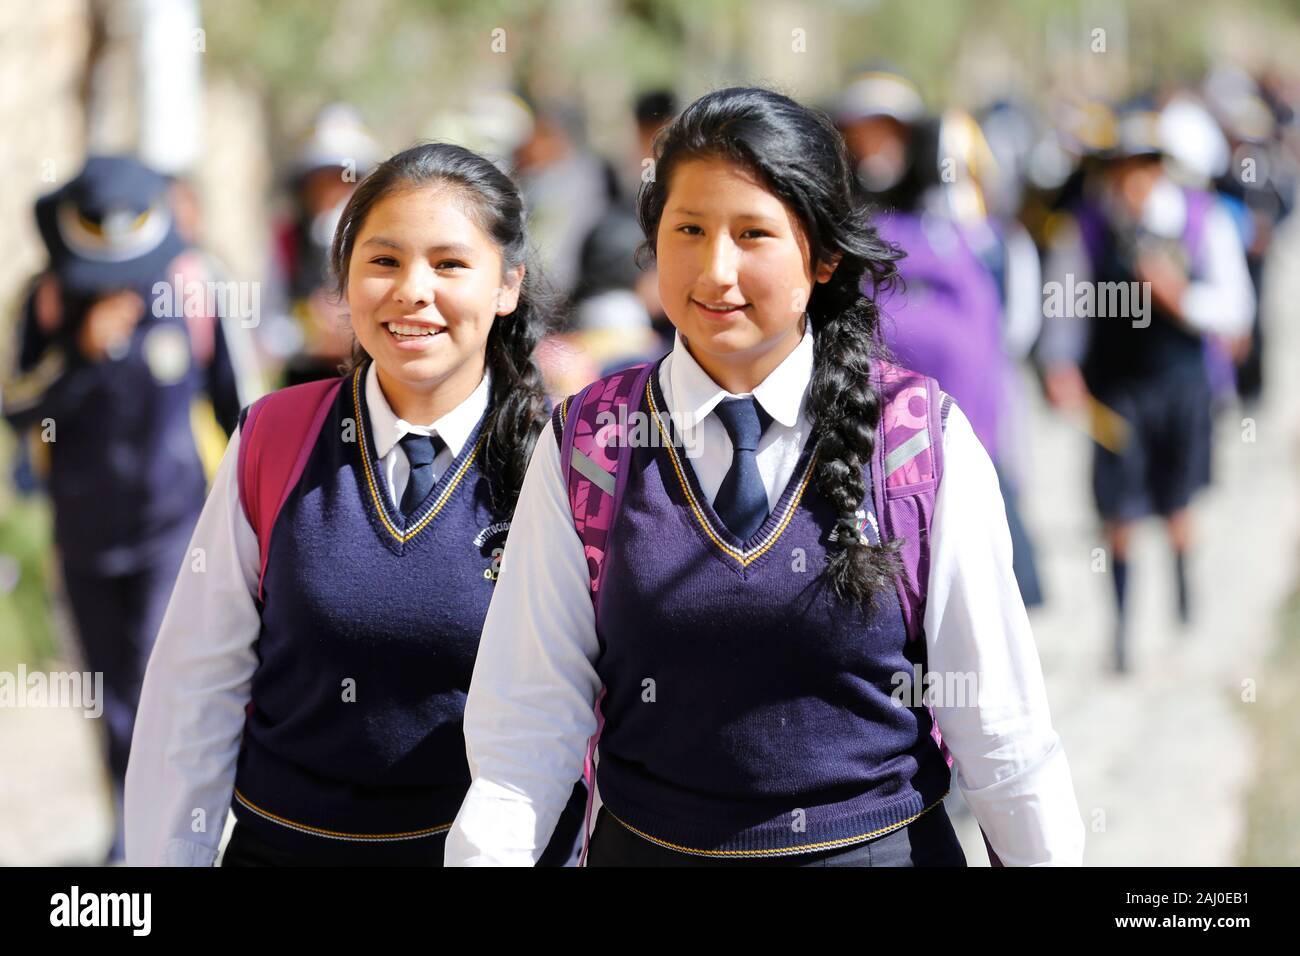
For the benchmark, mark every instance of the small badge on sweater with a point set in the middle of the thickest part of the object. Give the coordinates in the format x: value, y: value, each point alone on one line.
x: 867, y: 527
x: 491, y: 543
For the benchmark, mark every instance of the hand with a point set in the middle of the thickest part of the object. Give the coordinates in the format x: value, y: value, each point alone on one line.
x: 109, y: 325
x: 47, y: 301
x: 1238, y: 346
x: 1167, y: 278
x: 1065, y: 387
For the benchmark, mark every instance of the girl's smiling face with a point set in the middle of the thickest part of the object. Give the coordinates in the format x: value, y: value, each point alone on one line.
x: 424, y: 287
x: 734, y: 271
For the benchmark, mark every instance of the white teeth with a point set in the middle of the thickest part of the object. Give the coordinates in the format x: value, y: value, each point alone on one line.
x: 410, y: 329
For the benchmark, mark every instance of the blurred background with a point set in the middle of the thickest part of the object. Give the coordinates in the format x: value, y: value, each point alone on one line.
x: 992, y: 131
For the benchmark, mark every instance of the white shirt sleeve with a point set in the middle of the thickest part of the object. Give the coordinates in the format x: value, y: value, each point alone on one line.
x: 1024, y: 293
x: 1064, y: 336
x: 529, y: 713
x: 1221, y: 302
x: 1011, y: 764
x: 190, y: 721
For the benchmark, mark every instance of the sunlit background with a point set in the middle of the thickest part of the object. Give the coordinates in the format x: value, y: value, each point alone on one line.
x: 1189, y: 758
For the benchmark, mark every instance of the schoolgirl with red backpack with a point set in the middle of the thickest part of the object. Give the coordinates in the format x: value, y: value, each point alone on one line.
x: 726, y: 564
x: 312, y: 666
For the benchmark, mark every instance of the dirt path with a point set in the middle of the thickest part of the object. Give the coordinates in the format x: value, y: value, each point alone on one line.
x: 1162, y: 757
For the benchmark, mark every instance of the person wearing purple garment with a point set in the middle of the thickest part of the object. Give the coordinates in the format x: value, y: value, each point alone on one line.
x: 1144, y: 366
x: 945, y: 318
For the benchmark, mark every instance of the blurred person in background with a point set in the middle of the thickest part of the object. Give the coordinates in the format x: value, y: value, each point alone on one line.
x: 1141, y: 370
x: 309, y: 333
x: 566, y: 187
x: 112, y: 377
x: 617, y: 319
x: 1258, y: 181
x: 948, y: 319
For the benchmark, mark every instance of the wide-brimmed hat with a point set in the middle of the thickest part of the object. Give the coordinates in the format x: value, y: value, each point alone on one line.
x: 111, y: 227
x: 879, y: 92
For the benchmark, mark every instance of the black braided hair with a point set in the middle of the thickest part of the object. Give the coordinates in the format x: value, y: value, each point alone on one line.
x: 801, y: 157
x: 517, y: 406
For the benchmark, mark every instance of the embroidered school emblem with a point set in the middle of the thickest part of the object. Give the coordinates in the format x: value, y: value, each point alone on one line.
x: 491, y: 544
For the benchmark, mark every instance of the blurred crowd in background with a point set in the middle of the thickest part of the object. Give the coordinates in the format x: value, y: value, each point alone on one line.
x: 1074, y: 160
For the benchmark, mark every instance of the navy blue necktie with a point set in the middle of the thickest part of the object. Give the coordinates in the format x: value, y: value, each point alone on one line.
x: 742, y: 500
x: 420, y: 451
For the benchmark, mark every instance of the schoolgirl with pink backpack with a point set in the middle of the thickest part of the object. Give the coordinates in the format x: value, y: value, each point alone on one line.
x: 727, y: 567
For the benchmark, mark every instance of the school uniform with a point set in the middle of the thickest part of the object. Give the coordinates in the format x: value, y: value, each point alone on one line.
x: 126, y: 482
x: 741, y: 697
x: 1153, y: 374
x: 346, y: 680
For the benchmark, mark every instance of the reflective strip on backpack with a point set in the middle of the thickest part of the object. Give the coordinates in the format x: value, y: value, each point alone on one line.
x: 592, y: 471
x: 905, y: 452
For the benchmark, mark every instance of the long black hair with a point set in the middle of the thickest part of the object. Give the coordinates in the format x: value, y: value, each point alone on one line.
x: 802, y: 159
x: 517, y: 407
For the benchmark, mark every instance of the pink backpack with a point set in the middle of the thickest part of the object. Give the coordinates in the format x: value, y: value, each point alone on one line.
x: 276, y: 436
x: 908, y: 454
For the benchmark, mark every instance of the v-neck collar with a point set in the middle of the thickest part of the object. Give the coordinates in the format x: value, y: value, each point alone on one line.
x: 742, y: 552
x: 396, y: 529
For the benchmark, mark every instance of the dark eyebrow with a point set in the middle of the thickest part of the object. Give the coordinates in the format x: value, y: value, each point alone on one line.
x: 447, y: 248
x: 750, y: 216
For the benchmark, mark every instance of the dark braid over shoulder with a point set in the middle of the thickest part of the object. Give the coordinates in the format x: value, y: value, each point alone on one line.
x: 845, y: 410
x: 518, y: 398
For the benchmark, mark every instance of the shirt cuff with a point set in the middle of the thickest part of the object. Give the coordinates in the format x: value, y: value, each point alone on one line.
x: 185, y: 853
x: 1032, y: 817
x: 497, y: 817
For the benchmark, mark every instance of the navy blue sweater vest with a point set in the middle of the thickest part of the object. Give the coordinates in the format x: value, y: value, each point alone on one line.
x: 748, y: 711
x: 369, y: 632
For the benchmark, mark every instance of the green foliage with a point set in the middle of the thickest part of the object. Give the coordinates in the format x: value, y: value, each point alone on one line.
x: 26, y: 633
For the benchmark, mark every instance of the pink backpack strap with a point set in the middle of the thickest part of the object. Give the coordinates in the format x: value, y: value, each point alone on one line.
x: 593, y: 457
x: 905, y: 475
x: 276, y: 436
x: 905, y: 478
x: 905, y: 483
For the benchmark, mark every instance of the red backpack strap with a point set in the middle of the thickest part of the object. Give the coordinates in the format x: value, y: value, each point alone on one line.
x: 276, y: 437
x: 590, y: 428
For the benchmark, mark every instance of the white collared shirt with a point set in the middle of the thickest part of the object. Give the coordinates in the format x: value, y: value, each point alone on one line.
x: 387, y: 429
x: 190, y: 720
x: 529, y: 713
x: 692, y: 396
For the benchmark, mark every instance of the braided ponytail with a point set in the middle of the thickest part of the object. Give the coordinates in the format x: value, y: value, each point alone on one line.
x: 844, y: 407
